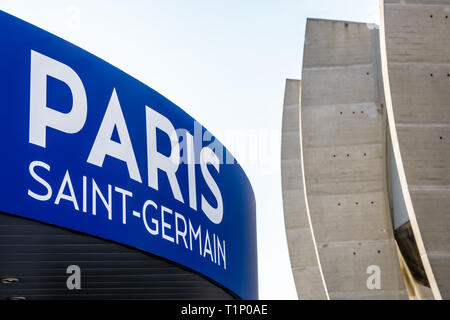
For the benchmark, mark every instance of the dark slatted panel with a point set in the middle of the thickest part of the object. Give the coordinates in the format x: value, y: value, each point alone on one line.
x: 38, y: 255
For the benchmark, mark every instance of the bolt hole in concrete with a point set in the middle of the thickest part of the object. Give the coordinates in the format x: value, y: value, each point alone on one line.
x: 354, y: 253
x: 431, y: 74
x: 365, y: 154
x: 367, y: 73
x: 379, y: 251
x: 448, y: 74
x: 440, y: 138
x: 431, y: 16
x: 371, y: 202
x: 362, y: 111
x: 339, y: 204
x: 348, y: 155
x: 446, y: 17
x: 356, y: 203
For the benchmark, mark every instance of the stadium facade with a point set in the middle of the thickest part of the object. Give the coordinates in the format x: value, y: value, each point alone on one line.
x: 365, y: 157
x: 108, y: 189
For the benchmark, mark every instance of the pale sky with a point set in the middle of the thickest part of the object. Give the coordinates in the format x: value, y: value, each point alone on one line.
x: 223, y: 62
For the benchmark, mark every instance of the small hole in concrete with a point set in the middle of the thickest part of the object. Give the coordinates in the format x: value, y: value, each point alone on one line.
x: 379, y: 251
x: 446, y: 17
x: 431, y: 74
x: 365, y: 154
x: 448, y: 74
x: 356, y: 203
x: 354, y: 253
x: 334, y: 156
x: 431, y: 16
x: 346, y: 24
x: 348, y: 155
x: 339, y: 204
x: 440, y: 138
x: 371, y: 202
x: 340, y: 112
x: 367, y: 73
x: 362, y: 111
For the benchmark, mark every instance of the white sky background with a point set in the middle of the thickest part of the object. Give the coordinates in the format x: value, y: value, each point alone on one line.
x: 223, y: 62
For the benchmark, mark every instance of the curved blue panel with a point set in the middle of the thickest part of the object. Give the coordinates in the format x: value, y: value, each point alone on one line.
x: 87, y: 147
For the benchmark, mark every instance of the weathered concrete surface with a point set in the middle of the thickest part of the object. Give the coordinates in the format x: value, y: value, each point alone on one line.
x: 302, y: 252
x: 416, y: 70
x: 344, y: 147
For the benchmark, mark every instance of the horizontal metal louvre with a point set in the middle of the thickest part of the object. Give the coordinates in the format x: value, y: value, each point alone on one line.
x: 38, y: 255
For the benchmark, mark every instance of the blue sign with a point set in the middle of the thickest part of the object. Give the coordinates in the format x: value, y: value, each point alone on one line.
x: 87, y: 147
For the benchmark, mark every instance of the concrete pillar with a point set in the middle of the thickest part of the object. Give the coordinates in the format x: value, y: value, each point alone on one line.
x: 343, y: 123
x: 302, y: 250
x: 415, y: 47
